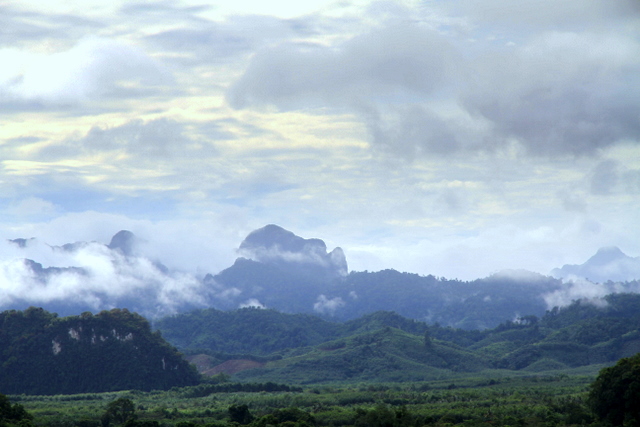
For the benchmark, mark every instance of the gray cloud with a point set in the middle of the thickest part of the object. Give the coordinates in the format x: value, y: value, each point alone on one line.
x: 631, y: 179
x: 392, y: 64
x: 542, y: 15
x: 604, y: 178
x: 412, y: 131
x: 208, y: 41
x: 572, y: 201
x: 141, y: 142
x: 561, y: 93
x: 420, y: 92
x: 20, y: 27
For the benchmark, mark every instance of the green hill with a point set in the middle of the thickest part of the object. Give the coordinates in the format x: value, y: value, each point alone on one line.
x: 386, y: 354
x: 247, y: 330
x: 385, y: 346
x: 113, y: 350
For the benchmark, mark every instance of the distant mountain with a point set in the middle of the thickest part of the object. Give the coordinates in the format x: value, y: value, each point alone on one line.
x: 113, y: 350
x: 124, y: 241
x: 274, y: 245
x: 276, y: 269
x: 608, y: 264
x: 288, y: 273
x: 95, y: 277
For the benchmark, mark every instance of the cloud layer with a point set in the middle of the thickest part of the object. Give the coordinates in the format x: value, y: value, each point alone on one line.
x: 451, y: 138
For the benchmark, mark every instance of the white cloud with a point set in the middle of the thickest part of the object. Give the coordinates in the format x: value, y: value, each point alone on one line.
x: 32, y: 206
x: 94, y: 68
x: 252, y: 303
x: 580, y: 289
x: 326, y: 305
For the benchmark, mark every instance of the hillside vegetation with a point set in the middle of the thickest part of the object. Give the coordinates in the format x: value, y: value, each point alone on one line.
x: 385, y: 346
x: 113, y: 350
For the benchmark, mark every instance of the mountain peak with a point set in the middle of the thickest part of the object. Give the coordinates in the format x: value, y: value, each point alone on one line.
x: 608, y: 263
x: 606, y: 255
x: 273, y: 244
x: 125, y: 241
x: 273, y: 236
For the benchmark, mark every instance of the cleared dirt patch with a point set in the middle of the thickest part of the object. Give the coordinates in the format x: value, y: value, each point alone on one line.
x: 231, y: 367
x: 208, y: 365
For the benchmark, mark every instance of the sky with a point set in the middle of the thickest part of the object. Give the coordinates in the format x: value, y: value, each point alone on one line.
x: 455, y: 138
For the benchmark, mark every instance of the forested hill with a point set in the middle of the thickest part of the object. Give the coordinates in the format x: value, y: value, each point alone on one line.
x: 385, y: 346
x: 113, y: 350
x: 262, y: 332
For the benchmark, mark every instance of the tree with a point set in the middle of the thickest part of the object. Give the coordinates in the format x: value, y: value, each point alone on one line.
x: 615, y: 393
x: 427, y: 339
x: 119, y: 411
x: 240, y: 414
x: 13, y: 414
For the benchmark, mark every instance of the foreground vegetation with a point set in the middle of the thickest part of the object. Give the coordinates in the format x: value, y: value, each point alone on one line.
x: 561, y: 400
x: 533, y: 400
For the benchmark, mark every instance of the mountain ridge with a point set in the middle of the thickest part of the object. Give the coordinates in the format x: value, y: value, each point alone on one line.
x: 609, y: 263
x: 384, y: 346
x: 278, y: 269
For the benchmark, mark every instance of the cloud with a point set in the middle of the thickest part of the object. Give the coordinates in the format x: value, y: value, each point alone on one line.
x: 99, y: 277
x: 23, y: 25
x: 92, y: 276
x: 580, y: 289
x: 325, y: 305
x: 391, y: 64
x: 542, y: 15
x: 252, y: 303
x: 631, y: 179
x: 604, y: 178
x: 560, y: 93
x: 572, y: 201
x: 423, y: 92
x: 32, y: 207
x: 160, y: 138
x: 203, y: 41
x: 94, y: 68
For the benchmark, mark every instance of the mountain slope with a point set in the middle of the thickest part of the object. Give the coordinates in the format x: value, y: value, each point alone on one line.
x: 385, y: 346
x: 386, y: 354
x: 113, y: 350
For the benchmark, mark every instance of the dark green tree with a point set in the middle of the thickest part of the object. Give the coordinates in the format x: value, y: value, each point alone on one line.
x: 240, y: 414
x: 615, y: 393
x: 120, y: 411
x: 13, y: 414
x: 427, y: 339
